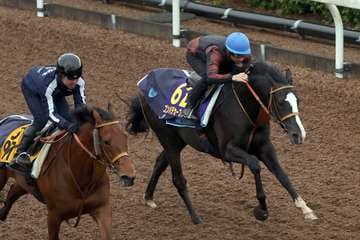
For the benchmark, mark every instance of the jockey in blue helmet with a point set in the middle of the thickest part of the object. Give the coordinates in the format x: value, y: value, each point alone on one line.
x: 217, y: 59
x: 44, y: 89
x: 238, y: 44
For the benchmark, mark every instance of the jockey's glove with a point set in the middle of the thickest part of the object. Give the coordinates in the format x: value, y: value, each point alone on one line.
x: 241, y: 77
x: 73, y: 128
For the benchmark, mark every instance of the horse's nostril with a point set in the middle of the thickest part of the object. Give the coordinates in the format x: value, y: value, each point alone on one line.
x: 296, y: 138
x: 127, y: 181
x: 295, y: 135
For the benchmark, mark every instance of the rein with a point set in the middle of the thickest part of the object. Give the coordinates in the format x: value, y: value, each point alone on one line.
x: 52, y: 138
x: 96, y: 144
x: 262, y: 105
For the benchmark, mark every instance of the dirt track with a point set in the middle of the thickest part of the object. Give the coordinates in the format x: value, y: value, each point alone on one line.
x: 325, y: 169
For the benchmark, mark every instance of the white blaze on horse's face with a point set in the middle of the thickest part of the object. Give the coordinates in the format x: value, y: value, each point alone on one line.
x: 291, y: 98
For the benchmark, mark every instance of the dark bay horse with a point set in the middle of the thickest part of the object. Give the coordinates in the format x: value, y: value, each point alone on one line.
x: 73, y: 180
x: 239, y: 129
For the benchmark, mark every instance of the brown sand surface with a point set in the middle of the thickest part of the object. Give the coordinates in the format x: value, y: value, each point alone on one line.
x: 325, y: 169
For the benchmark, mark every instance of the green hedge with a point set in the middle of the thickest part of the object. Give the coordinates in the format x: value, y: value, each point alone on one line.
x: 350, y: 17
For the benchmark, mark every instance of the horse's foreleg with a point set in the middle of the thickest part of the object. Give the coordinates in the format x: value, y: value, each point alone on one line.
x: 236, y: 154
x: 54, y: 222
x: 102, y: 216
x: 268, y: 156
x: 15, y: 192
x: 159, y: 167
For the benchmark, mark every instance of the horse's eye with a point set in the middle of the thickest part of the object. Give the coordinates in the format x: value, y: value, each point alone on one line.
x: 107, y: 142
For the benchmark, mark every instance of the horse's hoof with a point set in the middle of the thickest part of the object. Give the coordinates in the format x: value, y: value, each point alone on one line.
x: 311, y: 216
x: 260, y: 214
x: 197, y: 220
x: 2, y: 215
x: 151, y: 203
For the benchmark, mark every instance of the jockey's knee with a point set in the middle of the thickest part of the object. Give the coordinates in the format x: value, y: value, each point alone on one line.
x: 38, y: 125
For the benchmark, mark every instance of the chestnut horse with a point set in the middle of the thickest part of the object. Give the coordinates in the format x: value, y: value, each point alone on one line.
x: 73, y: 180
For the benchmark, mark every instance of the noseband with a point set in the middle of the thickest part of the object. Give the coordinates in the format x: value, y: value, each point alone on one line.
x: 275, y: 107
x: 96, y: 141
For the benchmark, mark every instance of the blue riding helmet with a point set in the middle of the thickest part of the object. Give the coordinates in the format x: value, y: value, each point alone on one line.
x: 70, y: 65
x: 237, y: 43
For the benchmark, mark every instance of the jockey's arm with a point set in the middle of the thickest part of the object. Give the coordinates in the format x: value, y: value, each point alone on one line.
x: 52, y: 115
x: 79, y: 93
x: 213, y: 62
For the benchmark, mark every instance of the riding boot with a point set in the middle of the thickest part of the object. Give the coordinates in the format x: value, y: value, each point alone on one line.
x: 197, y: 93
x: 21, y: 160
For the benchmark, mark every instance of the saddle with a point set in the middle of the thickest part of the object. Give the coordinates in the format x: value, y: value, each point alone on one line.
x: 194, y: 78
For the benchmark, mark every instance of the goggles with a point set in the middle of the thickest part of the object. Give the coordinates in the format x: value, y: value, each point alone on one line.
x: 241, y: 57
x: 74, y: 75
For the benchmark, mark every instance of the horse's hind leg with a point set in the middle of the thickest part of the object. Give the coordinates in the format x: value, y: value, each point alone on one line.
x: 236, y: 154
x: 102, y: 216
x: 180, y: 182
x: 172, y: 144
x: 159, y: 167
x: 3, y: 180
x: 268, y: 156
x: 261, y: 211
x: 15, y: 192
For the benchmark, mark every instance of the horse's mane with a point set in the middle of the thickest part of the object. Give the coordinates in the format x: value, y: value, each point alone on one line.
x: 84, y: 114
x: 263, y: 68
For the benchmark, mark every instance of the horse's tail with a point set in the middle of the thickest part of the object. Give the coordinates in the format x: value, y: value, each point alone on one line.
x: 136, y: 120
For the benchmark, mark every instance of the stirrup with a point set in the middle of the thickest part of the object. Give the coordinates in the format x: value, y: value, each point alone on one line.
x: 23, y: 159
x: 21, y: 163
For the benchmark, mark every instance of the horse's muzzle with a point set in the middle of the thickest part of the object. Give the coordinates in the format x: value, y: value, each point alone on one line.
x: 127, y: 181
x: 295, y: 138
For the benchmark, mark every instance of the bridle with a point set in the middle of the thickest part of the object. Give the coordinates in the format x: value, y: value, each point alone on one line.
x: 98, y: 146
x: 271, y: 109
x: 275, y: 107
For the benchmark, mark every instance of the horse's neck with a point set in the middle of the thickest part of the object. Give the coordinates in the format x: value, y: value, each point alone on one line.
x: 84, y: 169
x: 248, y: 101
x: 230, y: 120
x: 262, y: 89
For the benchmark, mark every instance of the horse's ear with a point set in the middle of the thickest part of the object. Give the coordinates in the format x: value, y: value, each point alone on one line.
x: 110, y: 109
x: 288, y: 76
x: 97, y: 117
